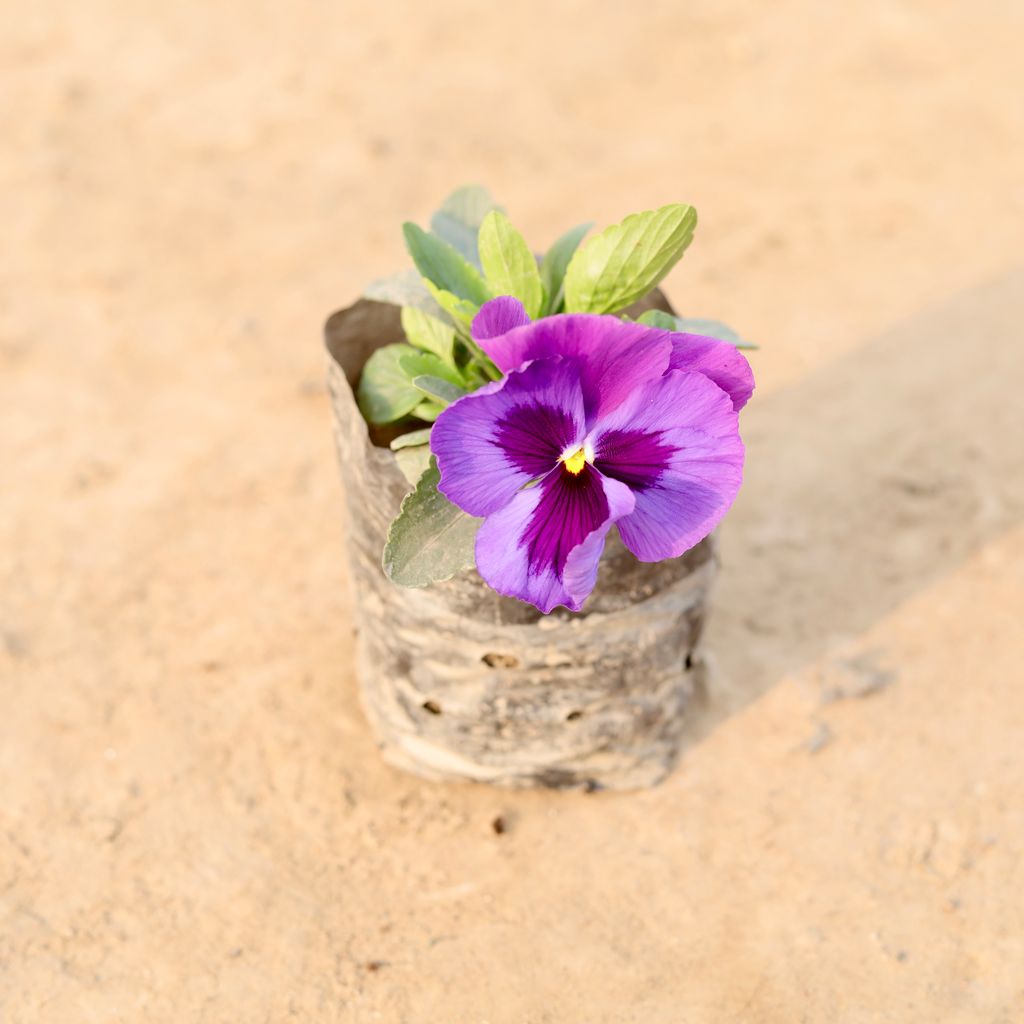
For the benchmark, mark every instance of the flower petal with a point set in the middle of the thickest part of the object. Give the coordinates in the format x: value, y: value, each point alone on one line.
x: 494, y: 441
x: 545, y: 544
x: 498, y: 316
x: 722, y: 362
x: 615, y: 357
x: 676, y: 445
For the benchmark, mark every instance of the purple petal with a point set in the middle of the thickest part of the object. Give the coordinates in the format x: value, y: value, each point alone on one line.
x: 493, y: 442
x: 676, y: 445
x: 499, y: 316
x: 615, y: 357
x: 722, y: 362
x: 545, y: 544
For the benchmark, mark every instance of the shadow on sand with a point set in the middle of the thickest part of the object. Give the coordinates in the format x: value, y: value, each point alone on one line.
x: 867, y: 481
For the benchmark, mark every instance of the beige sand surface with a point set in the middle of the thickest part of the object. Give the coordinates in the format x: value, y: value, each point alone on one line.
x: 194, y: 823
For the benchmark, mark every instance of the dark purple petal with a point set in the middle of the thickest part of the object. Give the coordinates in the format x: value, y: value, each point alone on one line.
x: 580, y: 573
x: 571, y: 506
x: 615, y: 357
x: 636, y: 458
x: 493, y: 442
x: 499, y: 316
x: 676, y: 444
x: 721, y: 362
x: 545, y: 544
x: 534, y: 436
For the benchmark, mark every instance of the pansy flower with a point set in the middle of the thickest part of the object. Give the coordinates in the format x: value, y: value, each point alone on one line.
x: 598, y: 422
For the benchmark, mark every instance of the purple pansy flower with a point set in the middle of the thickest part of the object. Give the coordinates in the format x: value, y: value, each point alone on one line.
x: 598, y: 422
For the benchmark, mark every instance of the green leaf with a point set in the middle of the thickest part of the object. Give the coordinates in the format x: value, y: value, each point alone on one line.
x: 509, y: 266
x: 386, y: 392
x: 458, y: 220
x: 438, y: 262
x: 552, y: 269
x: 430, y: 334
x: 413, y: 462
x: 689, y: 325
x: 477, y: 377
x: 624, y: 262
x: 411, y: 440
x: 442, y: 391
x: 418, y: 364
x: 431, y: 539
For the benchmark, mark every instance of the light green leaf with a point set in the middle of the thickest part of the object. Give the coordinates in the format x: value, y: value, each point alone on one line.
x: 509, y: 266
x: 411, y: 440
x: 420, y: 364
x: 386, y: 392
x: 458, y: 220
x: 689, y: 325
x: 624, y: 262
x: 431, y: 539
x: 437, y: 261
x: 413, y: 462
x: 552, y: 269
x: 428, y: 333
x: 440, y: 390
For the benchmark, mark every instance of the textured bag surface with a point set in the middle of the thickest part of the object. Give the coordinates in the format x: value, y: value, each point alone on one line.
x: 461, y: 683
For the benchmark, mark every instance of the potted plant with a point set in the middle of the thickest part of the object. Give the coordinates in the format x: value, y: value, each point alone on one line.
x: 535, y: 453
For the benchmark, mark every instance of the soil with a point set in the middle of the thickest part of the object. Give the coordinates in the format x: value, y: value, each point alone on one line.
x: 196, y: 825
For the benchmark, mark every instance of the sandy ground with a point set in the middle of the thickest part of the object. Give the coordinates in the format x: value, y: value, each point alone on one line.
x: 195, y: 825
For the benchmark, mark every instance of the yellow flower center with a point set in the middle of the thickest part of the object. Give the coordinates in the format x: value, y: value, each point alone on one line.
x: 576, y: 461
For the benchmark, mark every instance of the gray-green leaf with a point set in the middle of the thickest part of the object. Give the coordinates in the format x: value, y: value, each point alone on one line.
x: 430, y: 334
x: 624, y: 262
x: 556, y: 259
x: 441, y: 263
x: 431, y: 539
x: 406, y: 288
x: 689, y: 325
x: 386, y: 392
x: 458, y: 220
x: 508, y: 264
x: 413, y: 462
x: 658, y: 318
x: 713, y: 329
